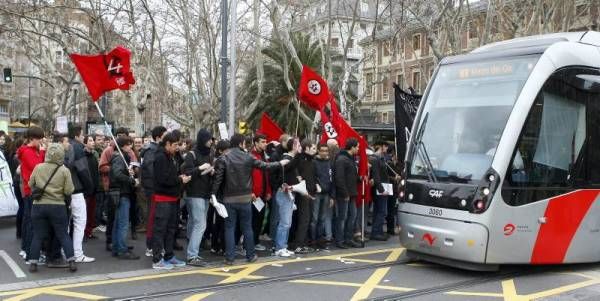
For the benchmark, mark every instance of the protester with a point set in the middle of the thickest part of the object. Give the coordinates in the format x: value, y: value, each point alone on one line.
x: 380, y: 178
x: 77, y: 163
x: 90, y: 198
x: 304, y: 203
x: 15, y: 170
x: 261, y: 189
x: 199, y: 165
x: 168, y: 186
x: 101, y: 206
x: 346, y: 184
x: 49, y: 211
x: 147, y: 179
x: 320, y: 224
x: 285, y: 199
x: 216, y: 223
x: 235, y: 178
x: 122, y: 188
x: 30, y: 155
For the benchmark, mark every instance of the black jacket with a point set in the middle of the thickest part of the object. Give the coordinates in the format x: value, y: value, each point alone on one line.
x: 166, y: 175
x: 324, y: 175
x: 379, y: 172
x: 275, y: 175
x: 290, y: 171
x: 307, y: 171
x: 93, y: 168
x: 147, y: 172
x: 200, y: 186
x: 234, y: 175
x: 119, y: 175
x: 77, y: 163
x: 345, y: 175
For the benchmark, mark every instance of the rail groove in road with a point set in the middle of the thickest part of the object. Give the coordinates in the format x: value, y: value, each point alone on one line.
x: 268, y: 280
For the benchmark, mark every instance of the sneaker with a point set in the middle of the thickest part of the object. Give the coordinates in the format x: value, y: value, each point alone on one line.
x: 176, y: 262
x: 300, y: 250
x: 84, y: 259
x: 23, y: 254
x: 241, y: 252
x: 128, y: 256
x: 283, y: 253
x: 197, y: 262
x: 162, y: 265
x: 149, y: 253
x: 253, y: 259
x: 260, y: 247
x: 101, y: 228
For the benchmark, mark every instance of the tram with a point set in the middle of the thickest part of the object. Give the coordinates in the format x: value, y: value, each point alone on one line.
x: 503, y: 162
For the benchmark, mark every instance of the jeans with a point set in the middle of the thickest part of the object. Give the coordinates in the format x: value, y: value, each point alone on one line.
x: 78, y: 212
x: 150, y: 218
x: 100, y: 208
x: 320, y: 224
x: 285, y: 207
x: 26, y: 226
x: 346, y: 217
x: 244, y: 212
x: 257, y: 222
x: 46, y: 217
x: 379, y: 213
x: 19, y: 197
x: 216, y: 226
x: 119, y: 230
x: 273, y: 217
x: 163, y: 230
x: 111, y: 201
x: 196, y: 224
x: 90, y: 206
x: 305, y: 209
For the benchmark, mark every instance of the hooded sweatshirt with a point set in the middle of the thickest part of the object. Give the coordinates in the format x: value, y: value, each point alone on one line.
x: 61, y: 183
x: 29, y: 157
x: 200, y: 185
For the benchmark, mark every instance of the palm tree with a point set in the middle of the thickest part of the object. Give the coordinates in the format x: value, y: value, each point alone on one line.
x: 276, y: 99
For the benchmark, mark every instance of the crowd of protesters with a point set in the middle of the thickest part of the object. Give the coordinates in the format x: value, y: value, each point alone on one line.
x: 230, y: 196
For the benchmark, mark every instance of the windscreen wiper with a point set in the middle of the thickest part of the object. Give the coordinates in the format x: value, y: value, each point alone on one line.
x: 422, y: 151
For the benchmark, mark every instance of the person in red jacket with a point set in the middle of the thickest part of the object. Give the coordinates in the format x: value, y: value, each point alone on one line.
x: 30, y: 155
x: 261, y: 188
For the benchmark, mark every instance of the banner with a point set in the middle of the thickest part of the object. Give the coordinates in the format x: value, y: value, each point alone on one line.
x: 405, y: 107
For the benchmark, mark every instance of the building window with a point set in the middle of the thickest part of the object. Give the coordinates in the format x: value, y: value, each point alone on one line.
x: 351, y: 43
x: 400, y: 80
x: 416, y: 80
x: 334, y: 42
x: 385, y: 117
x: 363, y: 26
x: 386, y: 48
x: 368, y: 84
x: 386, y: 89
x: 416, y: 42
x: 472, y: 30
x: 3, y: 108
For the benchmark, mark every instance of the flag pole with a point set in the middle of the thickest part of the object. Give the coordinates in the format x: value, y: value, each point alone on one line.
x: 110, y: 132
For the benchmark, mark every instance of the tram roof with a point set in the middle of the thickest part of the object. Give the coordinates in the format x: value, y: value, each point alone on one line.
x: 524, y: 46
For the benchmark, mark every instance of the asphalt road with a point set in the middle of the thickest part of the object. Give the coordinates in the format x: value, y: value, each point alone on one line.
x: 378, y: 272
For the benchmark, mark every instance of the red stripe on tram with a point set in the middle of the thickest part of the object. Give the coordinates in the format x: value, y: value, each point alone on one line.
x: 563, y: 217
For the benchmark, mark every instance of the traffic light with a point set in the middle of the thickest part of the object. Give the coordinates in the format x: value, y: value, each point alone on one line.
x: 242, y: 127
x: 7, y: 75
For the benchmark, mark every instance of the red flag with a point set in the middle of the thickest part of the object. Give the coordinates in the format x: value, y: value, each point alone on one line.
x: 105, y: 72
x: 269, y: 128
x: 313, y: 90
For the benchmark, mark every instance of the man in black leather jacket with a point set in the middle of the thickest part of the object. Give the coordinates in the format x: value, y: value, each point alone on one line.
x: 235, y: 179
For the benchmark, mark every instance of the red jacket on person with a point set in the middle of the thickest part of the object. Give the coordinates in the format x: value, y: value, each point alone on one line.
x: 260, y: 181
x: 29, y: 157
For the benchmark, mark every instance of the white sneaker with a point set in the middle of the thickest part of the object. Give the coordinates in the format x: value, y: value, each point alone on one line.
x: 41, y: 261
x: 283, y: 253
x: 149, y: 253
x: 101, y: 228
x: 84, y: 259
x: 23, y: 254
x: 260, y: 247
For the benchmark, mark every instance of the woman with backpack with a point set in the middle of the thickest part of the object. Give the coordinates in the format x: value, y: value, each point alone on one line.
x: 51, y: 182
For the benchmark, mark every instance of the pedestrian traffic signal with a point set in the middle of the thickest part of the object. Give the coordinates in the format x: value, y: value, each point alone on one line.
x: 242, y: 127
x: 7, y: 75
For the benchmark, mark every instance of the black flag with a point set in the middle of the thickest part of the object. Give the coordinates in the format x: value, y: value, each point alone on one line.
x: 405, y: 107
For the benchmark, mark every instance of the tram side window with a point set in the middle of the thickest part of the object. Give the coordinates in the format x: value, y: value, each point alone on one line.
x: 555, y: 147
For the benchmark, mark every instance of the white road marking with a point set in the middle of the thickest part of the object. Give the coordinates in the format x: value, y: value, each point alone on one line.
x: 12, y: 264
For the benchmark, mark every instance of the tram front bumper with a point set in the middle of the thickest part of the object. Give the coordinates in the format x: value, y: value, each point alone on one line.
x: 452, y: 239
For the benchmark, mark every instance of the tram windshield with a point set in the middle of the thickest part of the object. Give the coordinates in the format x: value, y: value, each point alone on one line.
x: 466, y: 110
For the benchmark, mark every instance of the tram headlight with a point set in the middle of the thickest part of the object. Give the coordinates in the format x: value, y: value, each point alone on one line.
x: 486, y: 191
x: 402, y: 182
x: 479, y: 205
